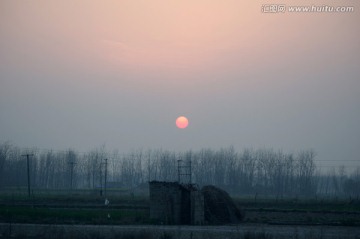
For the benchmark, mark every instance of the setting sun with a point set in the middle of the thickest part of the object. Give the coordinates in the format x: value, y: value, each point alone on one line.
x: 182, y: 122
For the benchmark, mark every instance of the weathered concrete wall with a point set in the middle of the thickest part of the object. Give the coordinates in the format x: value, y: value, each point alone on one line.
x: 174, y: 203
x: 185, y: 204
x: 197, y: 208
x: 165, y: 202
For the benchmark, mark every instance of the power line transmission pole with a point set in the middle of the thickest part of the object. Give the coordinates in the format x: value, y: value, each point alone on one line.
x: 179, y: 170
x: 106, y: 163
x: 105, y: 177
x: 28, y: 170
x: 71, y: 175
x: 184, y: 171
x: 100, y: 174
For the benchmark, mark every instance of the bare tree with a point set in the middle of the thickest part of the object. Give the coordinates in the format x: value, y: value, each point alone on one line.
x: 4, y: 154
x: 306, y: 170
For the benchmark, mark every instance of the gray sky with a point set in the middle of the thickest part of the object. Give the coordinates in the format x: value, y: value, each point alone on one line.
x: 80, y: 74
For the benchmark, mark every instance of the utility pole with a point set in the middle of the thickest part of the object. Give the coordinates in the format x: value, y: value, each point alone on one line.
x: 184, y: 171
x: 105, y: 178
x: 71, y: 175
x: 179, y: 170
x: 190, y: 171
x: 28, y: 170
x: 106, y: 163
x: 101, y: 187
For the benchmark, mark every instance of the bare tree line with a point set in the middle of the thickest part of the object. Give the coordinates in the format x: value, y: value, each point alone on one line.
x: 263, y: 171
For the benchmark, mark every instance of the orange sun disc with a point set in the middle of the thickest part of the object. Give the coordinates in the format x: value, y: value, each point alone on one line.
x: 182, y: 122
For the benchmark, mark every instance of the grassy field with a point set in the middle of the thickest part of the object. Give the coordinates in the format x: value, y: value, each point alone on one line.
x: 301, y: 204
x: 58, y: 214
x: 29, y: 214
x: 87, y: 207
x: 301, y: 212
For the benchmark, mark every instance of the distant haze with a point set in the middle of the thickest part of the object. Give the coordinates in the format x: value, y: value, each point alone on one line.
x: 80, y: 74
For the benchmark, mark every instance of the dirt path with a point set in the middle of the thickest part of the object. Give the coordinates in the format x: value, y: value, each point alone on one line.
x: 177, y: 232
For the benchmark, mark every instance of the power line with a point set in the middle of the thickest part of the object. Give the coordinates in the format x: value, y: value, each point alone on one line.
x: 339, y: 160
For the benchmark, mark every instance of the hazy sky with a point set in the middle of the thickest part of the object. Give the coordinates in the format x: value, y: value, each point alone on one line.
x: 80, y: 74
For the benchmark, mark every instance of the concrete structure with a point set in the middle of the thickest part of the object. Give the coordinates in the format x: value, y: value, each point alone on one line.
x: 174, y: 203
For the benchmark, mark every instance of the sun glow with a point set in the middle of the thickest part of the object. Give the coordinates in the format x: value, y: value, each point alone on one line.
x: 182, y: 122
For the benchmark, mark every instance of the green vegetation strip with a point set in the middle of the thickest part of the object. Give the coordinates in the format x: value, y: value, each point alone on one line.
x: 300, y: 205
x: 80, y: 216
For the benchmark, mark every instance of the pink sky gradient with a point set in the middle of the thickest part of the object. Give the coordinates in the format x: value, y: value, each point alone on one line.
x: 81, y: 74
